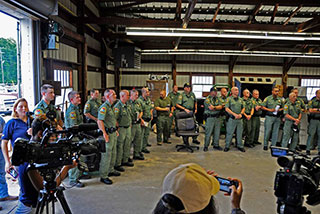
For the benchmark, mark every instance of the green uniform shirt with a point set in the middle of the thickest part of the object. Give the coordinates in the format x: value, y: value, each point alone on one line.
x: 187, y: 100
x: 235, y: 104
x: 43, y: 108
x: 122, y: 113
x: 248, y: 105
x: 223, y: 100
x: 106, y: 114
x: 163, y: 103
x: 257, y: 102
x: 135, y: 109
x: 293, y: 109
x: 92, y: 107
x: 73, y: 116
x: 215, y: 101
x: 174, y: 98
x: 300, y: 102
x: 271, y: 103
x: 314, y: 103
x: 146, y: 107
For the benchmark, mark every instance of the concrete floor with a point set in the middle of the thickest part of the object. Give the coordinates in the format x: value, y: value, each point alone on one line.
x: 139, y: 188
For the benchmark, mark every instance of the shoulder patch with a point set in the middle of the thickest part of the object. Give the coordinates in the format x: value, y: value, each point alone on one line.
x: 103, y: 110
x: 207, y: 101
x: 180, y: 97
x: 116, y: 110
x: 73, y: 115
x: 38, y: 112
x: 286, y: 107
x: 87, y: 106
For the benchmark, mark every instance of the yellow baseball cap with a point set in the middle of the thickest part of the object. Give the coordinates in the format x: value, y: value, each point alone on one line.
x: 192, y: 185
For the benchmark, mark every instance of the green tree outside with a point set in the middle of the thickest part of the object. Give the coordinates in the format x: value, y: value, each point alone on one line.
x: 9, y: 55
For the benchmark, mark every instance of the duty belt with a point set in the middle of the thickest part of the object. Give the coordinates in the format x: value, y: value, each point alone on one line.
x: 136, y: 122
x: 111, y: 130
x: 124, y: 126
x: 213, y: 115
x: 272, y: 115
x: 147, y: 119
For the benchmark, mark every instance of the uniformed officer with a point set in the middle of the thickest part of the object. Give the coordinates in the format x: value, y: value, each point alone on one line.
x: 136, y: 116
x: 73, y: 117
x: 147, y: 117
x: 107, y: 124
x: 123, y: 116
x: 44, y: 106
x: 187, y: 102
x: 256, y: 116
x: 235, y: 108
x: 223, y: 99
x: 174, y: 96
x: 273, y: 105
x: 247, y: 119
x: 212, y: 108
x: 164, y: 109
x: 303, y: 107
x: 92, y: 106
x: 292, y: 111
x: 314, y: 125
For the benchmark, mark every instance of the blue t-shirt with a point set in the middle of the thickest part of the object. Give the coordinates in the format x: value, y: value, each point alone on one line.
x: 14, y: 129
x: 28, y: 194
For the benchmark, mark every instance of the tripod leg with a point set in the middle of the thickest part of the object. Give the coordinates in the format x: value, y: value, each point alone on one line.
x: 63, y: 201
x: 41, y: 203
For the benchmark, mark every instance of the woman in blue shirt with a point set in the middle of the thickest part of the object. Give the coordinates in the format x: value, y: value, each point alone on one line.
x: 16, y: 127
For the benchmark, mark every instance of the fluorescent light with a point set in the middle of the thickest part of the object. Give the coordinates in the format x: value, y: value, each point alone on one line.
x: 211, y: 33
x: 228, y: 52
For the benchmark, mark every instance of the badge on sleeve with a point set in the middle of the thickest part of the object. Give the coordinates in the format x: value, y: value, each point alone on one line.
x: 87, y: 106
x: 116, y: 110
x: 73, y: 115
x: 103, y: 110
x: 285, y: 107
x: 38, y: 112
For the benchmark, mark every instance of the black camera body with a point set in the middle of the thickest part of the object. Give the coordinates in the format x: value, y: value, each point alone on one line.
x: 299, y: 177
x: 63, y: 151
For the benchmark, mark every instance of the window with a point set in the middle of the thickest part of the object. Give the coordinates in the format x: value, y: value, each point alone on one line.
x: 65, y: 77
x: 312, y: 86
x: 201, y: 84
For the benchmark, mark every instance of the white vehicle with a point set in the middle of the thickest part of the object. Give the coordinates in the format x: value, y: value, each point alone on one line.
x: 6, y: 103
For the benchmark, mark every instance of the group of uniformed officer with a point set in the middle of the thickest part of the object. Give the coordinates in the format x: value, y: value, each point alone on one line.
x: 129, y: 121
x: 244, y: 118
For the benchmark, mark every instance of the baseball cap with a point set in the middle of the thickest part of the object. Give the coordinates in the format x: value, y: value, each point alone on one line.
x: 186, y: 85
x: 192, y: 185
x: 213, y: 89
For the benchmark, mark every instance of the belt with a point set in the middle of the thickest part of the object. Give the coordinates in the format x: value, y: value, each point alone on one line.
x: 136, y: 122
x: 214, y: 115
x: 312, y: 118
x: 146, y: 119
x: 124, y: 126
x: 272, y: 115
x: 111, y: 130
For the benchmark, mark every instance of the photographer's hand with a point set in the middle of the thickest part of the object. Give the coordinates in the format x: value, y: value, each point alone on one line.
x: 236, y: 194
x: 8, y: 166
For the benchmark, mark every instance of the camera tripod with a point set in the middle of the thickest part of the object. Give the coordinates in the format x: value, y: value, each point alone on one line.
x: 51, y: 193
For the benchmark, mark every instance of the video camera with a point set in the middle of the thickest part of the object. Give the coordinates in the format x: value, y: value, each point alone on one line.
x: 48, y: 155
x: 299, y: 177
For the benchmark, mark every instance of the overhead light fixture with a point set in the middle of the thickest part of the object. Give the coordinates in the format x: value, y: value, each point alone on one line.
x: 229, y: 52
x: 212, y: 33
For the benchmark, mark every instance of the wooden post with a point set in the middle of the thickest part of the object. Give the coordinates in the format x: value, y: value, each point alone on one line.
x: 174, y: 69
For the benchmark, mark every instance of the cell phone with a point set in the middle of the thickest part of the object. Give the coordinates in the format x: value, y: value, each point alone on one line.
x: 226, y: 183
x: 14, y: 174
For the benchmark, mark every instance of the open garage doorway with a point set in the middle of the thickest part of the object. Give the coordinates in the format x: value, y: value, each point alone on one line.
x: 16, y: 60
